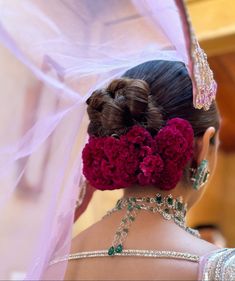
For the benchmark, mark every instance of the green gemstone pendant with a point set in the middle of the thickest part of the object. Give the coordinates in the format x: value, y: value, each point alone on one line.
x: 130, y: 207
x: 111, y: 251
x: 119, y: 248
x: 170, y: 201
x: 168, y: 206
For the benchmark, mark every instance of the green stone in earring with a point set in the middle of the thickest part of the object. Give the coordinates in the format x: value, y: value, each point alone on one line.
x: 201, y: 175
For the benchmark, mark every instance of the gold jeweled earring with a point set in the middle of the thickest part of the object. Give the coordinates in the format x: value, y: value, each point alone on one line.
x: 200, y: 175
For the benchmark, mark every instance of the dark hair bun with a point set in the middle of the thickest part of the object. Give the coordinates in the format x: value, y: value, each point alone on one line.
x: 124, y: 103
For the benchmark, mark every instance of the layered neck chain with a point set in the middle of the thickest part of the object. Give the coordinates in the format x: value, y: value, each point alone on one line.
x: 168, y: 207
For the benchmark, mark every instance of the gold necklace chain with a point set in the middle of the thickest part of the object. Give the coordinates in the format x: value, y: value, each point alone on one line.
x: 168, y: 207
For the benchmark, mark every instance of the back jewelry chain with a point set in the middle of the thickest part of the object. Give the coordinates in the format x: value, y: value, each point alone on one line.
x: 168, y: 207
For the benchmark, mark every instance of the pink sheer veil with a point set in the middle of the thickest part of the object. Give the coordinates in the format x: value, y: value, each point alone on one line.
x: 53, y: 55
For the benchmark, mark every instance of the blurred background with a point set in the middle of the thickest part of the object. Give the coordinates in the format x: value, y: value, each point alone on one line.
x: 214, y: 24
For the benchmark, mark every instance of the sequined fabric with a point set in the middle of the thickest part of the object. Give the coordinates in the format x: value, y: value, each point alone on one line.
x: 219, y: 265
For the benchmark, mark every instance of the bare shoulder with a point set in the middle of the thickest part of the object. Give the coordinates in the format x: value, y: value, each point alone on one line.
x: 200, y: 246
x: 79, y: 244
x: 99, y: 235
x: 88, y: 239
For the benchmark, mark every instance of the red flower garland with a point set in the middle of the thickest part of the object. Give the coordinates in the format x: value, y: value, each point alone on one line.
x: 139, y: 158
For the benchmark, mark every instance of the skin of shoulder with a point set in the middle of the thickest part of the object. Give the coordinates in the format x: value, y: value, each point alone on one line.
x: 90, y: 240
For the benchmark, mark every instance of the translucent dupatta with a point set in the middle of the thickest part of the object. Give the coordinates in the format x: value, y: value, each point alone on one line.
x: 59, y: 51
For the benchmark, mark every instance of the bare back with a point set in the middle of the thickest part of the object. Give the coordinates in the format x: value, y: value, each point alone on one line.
x: 144, y: 234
